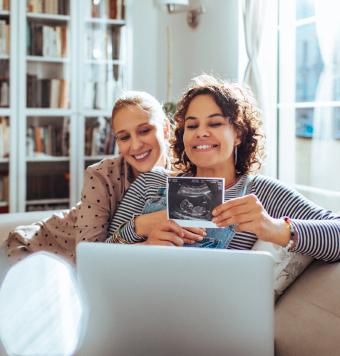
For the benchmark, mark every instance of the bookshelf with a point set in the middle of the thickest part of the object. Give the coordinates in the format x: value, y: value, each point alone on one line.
x: 8, y: 107
x: 103, y: 53
x: 66, y: 59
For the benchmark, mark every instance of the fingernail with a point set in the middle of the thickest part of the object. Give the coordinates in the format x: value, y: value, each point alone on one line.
x: 214, y: 220
x: 204, y: 233
x: 214, y: 212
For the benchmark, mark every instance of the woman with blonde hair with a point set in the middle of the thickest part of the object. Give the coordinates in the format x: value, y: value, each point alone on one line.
x: 141, y: 129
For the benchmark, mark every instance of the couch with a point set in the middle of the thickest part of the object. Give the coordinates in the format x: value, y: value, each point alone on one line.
x: 307, y: 315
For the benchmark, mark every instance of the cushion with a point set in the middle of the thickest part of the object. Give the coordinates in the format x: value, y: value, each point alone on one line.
x: 307, y: 317
x: 287, y: 265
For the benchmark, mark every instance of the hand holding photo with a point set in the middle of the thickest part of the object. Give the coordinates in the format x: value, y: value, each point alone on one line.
x: 192, y: 200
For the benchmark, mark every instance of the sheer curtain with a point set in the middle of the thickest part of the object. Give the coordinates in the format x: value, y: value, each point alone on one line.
x: 253, y: 20
x: 325, y: 160
x: 260, y: 41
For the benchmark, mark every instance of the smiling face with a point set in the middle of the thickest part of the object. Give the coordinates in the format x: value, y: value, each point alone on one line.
x: 209, y: 139
x: 140, y: 138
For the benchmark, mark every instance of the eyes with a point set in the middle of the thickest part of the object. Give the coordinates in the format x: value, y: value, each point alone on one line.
x: 142, y: 131
x: 212, y: 124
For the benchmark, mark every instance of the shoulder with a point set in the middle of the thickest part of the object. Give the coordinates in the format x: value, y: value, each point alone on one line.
x: 156, y: 175
x: 261, y: 180
x: 106, y: 164
x: 111, y: 169
x: 267, y: 185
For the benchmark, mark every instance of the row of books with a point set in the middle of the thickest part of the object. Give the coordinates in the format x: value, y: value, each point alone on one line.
x: 46, y: 93
x: 112, y: 9
x: 42, y: 207
x: 4, y: 188
x: 48, y: 140
x: 4, y: 37
x: 100, y: 95
x: 4, y: 93
x: 99, y: 139
x: 4, y: 137
x: 46, y: 40
x: 48, y: 186
x: 4, y: 5
x: 102, y: 43
x: 60, y: 7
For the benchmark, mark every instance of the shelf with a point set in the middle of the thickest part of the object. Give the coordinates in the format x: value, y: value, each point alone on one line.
x: 106, y: 21
x: 3, y: 203
x: 104, y: 62
x: 4, y: 56
x: 43, y: 16
x: 47, y: 201
x: 48, y: 112
x: 99, y: 157
x: 47, y: 59
x: 4, y: 12
x: 5, y: 112
x: 47, y: 158
x: 4, y: 160
x: 94, y: 113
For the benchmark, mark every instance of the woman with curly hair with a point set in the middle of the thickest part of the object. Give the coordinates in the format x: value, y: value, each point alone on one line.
x: 218, y: 134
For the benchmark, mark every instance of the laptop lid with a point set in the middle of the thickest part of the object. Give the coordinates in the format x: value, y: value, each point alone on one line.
x: 152, y: 300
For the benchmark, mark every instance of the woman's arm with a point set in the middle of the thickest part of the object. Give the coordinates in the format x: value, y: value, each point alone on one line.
x: 100, y: 195
x: 261, y: 213
x: 129, y: 226
x: 132, y: 205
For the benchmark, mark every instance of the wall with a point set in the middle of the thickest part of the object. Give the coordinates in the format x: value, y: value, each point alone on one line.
x: 215, y: 46
x: 211, y: 48
x: 143, y: 52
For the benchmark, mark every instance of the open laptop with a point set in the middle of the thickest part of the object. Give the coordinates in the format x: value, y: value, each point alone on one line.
x: 162, y: 301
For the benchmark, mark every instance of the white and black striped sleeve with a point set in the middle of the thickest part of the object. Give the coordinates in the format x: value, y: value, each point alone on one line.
x: 143, y: 188
x: 318, y: 229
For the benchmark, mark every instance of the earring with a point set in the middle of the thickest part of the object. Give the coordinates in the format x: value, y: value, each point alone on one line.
x: 235, y: 155
x: 182, y: 156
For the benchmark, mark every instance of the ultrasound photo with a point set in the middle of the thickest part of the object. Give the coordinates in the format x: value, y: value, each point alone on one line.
x: 191, y: 200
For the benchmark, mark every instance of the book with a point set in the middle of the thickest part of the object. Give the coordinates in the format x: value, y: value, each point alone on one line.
x: 191, y: 200
x: 4, y: 93
x: 4, y: 137
x: 63, y: 95
x: 99, y: 139
x: 4, y: 37
x: 4, y: 188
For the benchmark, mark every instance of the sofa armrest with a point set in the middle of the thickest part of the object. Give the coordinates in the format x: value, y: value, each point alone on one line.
x: 307, y: 316
x: 9, y: 221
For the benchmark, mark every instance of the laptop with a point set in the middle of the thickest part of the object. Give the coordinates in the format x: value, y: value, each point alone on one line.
x: 153, y: 300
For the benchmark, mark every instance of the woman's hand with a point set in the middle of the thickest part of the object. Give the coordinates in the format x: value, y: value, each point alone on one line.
x: 169, y: 233
x: 145, y: 223
x: 248, y: 214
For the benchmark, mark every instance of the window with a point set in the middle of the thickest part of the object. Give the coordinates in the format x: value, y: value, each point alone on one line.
x: 309, y: 99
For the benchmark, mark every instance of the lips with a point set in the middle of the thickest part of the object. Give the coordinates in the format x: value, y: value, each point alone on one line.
x: 142, y: 156
x: 204, y: 147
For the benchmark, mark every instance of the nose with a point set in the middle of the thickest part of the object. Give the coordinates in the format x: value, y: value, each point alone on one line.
x: 136, y: 143
x: 202, y: 131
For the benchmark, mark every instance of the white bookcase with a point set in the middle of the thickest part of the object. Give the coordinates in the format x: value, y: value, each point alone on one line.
x: 8, y: 108
x: 66, y: 67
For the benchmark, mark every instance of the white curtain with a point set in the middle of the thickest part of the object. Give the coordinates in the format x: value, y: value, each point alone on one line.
x: 260, y: 35
x: 325, y: 160
x: 253, y: 20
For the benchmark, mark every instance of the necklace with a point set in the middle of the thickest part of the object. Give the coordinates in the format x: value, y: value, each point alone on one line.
x: 227, y: 186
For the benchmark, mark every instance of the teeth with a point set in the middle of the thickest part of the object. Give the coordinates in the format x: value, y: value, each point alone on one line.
x: 204, y: 147
x: 141, y: 156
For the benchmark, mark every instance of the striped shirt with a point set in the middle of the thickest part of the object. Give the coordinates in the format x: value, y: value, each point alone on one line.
x: 318, y: 229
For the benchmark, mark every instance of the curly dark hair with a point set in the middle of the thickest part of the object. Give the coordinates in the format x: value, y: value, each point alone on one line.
x: 238, y: 104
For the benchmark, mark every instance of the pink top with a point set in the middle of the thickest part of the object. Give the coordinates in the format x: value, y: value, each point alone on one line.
x: 105, y: 183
